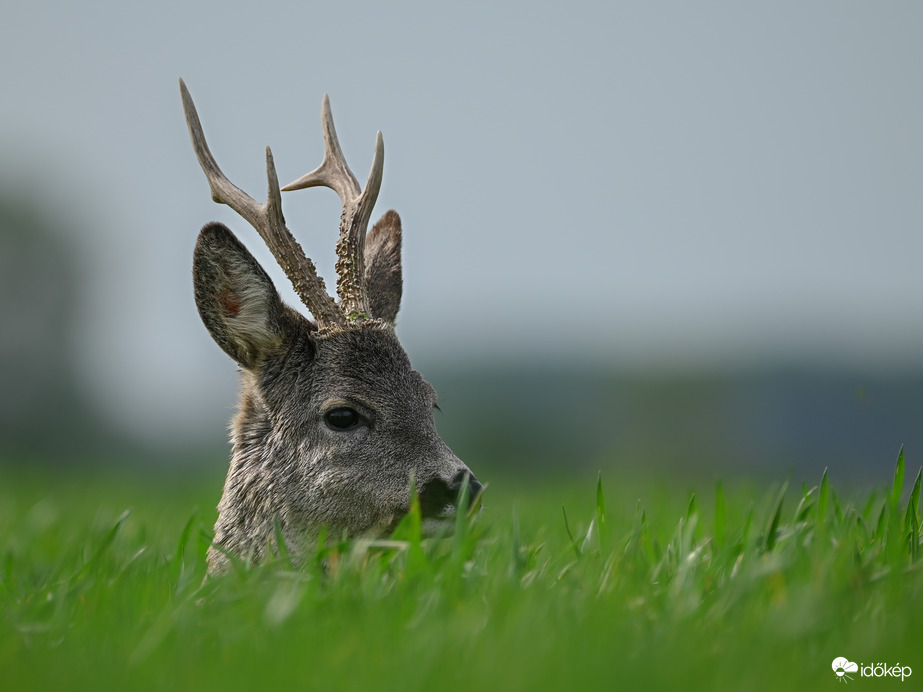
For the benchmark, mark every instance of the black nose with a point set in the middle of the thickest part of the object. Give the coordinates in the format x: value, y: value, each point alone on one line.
x: 474, y: 486
x: 436, y: 495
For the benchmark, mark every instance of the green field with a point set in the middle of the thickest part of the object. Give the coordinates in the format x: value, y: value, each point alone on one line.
x: 555, y: 585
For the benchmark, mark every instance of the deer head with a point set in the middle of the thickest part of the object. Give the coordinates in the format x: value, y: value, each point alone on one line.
x: 333, y: 425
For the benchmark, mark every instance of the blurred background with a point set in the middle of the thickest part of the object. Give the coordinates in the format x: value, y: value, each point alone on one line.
x: 671, y: 237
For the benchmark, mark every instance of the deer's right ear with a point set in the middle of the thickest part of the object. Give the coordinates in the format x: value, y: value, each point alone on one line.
x: 235, y: 297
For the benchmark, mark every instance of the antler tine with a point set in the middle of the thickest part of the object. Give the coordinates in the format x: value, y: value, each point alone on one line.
x: 267, y: 219
x: 334, y: 171
x: 357, y: 210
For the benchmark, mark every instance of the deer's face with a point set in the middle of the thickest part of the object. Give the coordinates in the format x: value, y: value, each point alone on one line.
x: 355, y: 422
x: 334, y: 425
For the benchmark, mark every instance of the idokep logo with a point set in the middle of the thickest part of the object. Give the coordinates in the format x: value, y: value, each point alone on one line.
x: 843, y: 666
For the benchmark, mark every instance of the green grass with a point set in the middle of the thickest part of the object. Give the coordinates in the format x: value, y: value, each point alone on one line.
x: 634, y: 585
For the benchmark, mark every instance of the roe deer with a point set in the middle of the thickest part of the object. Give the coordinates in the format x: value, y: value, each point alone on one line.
x: 333, y: 424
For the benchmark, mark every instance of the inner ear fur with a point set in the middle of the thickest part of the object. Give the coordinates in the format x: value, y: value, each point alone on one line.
x: 236, y: 298
x: 383, y: 277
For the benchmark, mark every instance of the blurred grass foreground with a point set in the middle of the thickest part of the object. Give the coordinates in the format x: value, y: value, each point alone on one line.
x: 635, y: 585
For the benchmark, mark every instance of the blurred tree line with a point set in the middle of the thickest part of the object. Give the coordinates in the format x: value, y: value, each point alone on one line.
x: 556, y: 417
x: 44, y: 411
x: 570, y: 417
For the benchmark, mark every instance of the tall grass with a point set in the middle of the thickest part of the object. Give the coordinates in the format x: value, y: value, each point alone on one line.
x: 724, y: 588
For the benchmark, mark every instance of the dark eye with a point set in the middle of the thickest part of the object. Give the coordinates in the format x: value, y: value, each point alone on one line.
x: 342, y: 418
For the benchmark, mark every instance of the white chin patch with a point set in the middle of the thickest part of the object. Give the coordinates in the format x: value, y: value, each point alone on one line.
x: 440, y: 525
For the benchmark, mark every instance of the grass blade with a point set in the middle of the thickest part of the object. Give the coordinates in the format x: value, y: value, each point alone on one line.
x: 103, y: 546
x: 410, y: 530
x: 837, y: 510
x: 745, y: 533
x: 464, y: 499
x: 823, y: 497
x: 601, y: 508
x: 880, y: 524
x: 893, y: 533
x: 591, y: 537
x: 570, y: 535
x: 805, y: 504
x: 914, y: 504
x: 179, y: 559
x: 870, y: 504
x: 464, y: 514
x: 281, y: 545
x: 769, y: 542
x: 898, y: 486
x: 910, y: 532
x: 720, y: 515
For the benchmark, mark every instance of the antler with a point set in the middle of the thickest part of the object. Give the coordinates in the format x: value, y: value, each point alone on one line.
x: 357, y: 209
x: 268, y: 221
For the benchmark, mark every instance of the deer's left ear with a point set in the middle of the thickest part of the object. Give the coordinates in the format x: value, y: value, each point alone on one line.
x: 383, y: 278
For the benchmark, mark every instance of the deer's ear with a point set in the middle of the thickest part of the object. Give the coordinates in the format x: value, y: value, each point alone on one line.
x: 235, y: 297
x: 383, y: 278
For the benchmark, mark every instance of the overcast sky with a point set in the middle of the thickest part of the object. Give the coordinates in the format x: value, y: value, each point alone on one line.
x: 646, y: 184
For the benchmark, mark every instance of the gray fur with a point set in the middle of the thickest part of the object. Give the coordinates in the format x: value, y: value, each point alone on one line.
x: 287, y: 463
